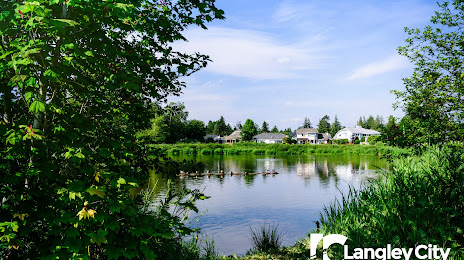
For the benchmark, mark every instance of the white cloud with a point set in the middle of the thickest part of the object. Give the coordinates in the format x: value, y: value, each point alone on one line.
x: 250, y: 54
x: 391, y: 63
x: 285, y: 12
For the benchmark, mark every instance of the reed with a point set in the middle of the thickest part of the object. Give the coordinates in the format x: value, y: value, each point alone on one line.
x: 265, y: 238
x: 421, y: 201
x: 280, y: 149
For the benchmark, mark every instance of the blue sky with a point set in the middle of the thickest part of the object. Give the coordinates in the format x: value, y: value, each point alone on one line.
x: 282, y: 61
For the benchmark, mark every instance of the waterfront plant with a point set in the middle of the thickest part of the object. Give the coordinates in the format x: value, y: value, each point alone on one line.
x: 265, y: 238
x: 419, y: 201
x: 76, y: 82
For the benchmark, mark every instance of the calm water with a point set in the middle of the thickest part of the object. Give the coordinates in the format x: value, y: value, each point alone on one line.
x: 292, y: 199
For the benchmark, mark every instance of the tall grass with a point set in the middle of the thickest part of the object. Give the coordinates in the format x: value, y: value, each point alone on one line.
x: 421, y: 201
x: 265, y: 238
x: 276, y: 149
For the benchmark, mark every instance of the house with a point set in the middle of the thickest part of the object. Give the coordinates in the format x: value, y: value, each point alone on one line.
x: 214, y: 139
x: 235, y: 137
x: 311, y: 136
x: 324, y: 138
x: 306, y: 135
x: 269, y: 138
x: 353, y: 133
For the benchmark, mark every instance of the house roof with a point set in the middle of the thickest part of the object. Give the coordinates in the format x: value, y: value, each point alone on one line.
x: 326, y: 136
x: 306, y: 130
x: 234, y: 136
x: 270, y: 136
x: 360, y: 130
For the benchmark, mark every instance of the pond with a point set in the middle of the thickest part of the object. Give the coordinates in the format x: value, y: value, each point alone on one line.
x: 293, y: 199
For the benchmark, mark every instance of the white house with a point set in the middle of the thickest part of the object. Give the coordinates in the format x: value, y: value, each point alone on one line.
x: 214, y: 138
x: 353, y: 133
x: 269, y: 138
x: 311, y: 136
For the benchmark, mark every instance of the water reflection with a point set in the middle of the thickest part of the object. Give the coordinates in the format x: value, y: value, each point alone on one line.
x: 293, y: 198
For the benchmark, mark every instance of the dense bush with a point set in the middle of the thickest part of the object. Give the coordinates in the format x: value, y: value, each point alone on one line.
x: 76, y: 85
x: 276, y: 149
x: 420, y: 202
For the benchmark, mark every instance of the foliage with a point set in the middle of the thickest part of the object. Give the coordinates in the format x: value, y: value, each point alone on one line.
x: 432, y: 99
x: 275, y: 130
x: 371, y: 122
x: 265, y: 238
x: 273, y: 149
x: 76, y: 82
x: 381, y: 213
x: 324, y: 125
x: 288, y: 131
x: 249, y: 130
x: 195, y: 130
x: 288, y: 140
x: 306, y: 123
x: 335, y: 127
x: 221, y: 129
x: 340, y: 141
x: 265, y: 127
x: 357, y: 141
x: 373, y: 139
x: 170, y: 125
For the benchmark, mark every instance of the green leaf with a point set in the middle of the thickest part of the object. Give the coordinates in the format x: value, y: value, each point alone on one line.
x: 92, y: 191
x: 18, y: 78
x: 37, y: 106
x: 122, y: 181
x: 28, y: 96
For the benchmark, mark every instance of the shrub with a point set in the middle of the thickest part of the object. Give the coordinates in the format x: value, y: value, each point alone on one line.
x: 419, y: 202
x: 266, y: 238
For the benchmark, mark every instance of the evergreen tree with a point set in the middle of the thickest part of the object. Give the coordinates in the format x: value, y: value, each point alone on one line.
x: 370, y: 122
x: 288, y: 131
x: 324, y: 125
x: 265, y: 127
x: 306, y: 123
x: 335, y: 127
x: 274, y: 130
x: 210, y: 127
x: 220, y: 128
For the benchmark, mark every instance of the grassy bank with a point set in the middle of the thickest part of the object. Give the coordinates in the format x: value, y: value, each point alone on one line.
x: 420, y: 202
x: 276, y: 149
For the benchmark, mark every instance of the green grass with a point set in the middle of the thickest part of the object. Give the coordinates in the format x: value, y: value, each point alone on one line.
x: 279, y: 149
x: 265, y: 238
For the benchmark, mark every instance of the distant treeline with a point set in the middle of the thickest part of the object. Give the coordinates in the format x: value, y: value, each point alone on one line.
x: 169, y: 124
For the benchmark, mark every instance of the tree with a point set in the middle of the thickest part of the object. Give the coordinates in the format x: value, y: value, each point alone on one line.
x: 324, y: 125
x: 220, y: 128
x: 195, y: 130
x: 265, y: 127
x: 249, y: 130
x: 238, y: 125
x: 432, y: 97
x: 210, y: 127
x: 306, y: 123
x: 335, y: 127
x: 76, y: 82
x: 288, y: 132
x: 370, y: 122
x: 275, y: 129
x: 361, y: 121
